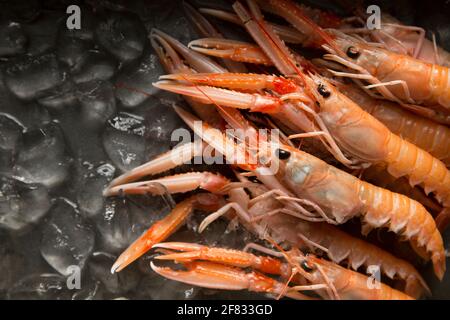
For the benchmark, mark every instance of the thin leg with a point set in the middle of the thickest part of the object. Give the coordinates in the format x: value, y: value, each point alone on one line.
x: 311, y: 287
x: 298, y: 211
x: 331, y: 289
x: 312, y: 243
x: 350, y: 75
x: 260, y: 248
x: 437, y: 59
x: 328, y: 141
x: 241, y: 212
x: 382, y: 89
x: 309, y: 203
x: 348, y: 64
x: 420, y: 40
x: 306, y: 135
x: 393, y: 83
x: 265, y: 196
x: 283, y: 136
x: 371, y: 93
x: 405, y: 50
x: 280, y: 193
x: 296, y: 214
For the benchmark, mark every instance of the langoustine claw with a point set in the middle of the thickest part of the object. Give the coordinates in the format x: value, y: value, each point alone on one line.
x: 221, y: 269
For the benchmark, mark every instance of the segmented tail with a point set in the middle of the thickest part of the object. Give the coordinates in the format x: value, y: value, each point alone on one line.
x: 406, y: 159
x: 405, y: 217
x: 357, y: 252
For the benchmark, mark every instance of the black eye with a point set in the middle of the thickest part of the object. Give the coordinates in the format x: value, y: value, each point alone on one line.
x: 305, y: 266
x: 282, y: 154
x: 323, y: 91
x: 352, y: 52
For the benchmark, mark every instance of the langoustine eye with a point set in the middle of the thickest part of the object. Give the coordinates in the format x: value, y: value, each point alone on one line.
x: 323, y: 91
x: 282, y: 154
x: 353, y: 52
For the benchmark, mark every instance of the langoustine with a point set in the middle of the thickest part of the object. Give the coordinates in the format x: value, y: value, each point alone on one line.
x: 181, y: 183
x: 399, y: 156
x: 395, y: 76
x: 343, y: 283
x: 326, y: 279
x: 390, y: 265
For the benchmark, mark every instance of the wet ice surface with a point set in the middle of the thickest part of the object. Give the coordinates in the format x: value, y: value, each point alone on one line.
x: 139, y: 76
x: 42, y: 157
x: 97, y: 101
x: 95, y: 65
x: 124, y: 140
x: 117, y: 283
x: 67, y: 238
x: 122, y: 220
x: 121, y: 34
x: 77, y: 108
x: 12, y: 39
x: 40, y: 287
x: 90, y: 186
x: 21, y: 204
x: 10, y: 138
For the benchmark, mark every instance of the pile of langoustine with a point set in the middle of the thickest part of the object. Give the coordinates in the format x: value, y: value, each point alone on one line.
x: 372, y: 111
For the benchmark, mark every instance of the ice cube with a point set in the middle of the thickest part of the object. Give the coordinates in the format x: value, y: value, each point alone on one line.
x: 124, y: 140
x: 134, y: 82
x: 12, y: 39
x: 95, y: 65
x: 11, y: 264
x: 40, y: 287
x: 21, y: 204
x: 178, y: 27
x: 97, y: 101
x: 156, y: 287
x: 161, y: 121
x: 90, y: 290
x: 10, y: 132
x: 31, y: 76
x: 27, y: 244
x: 89, y: 196
x: 42, y: 157
x: 72, y: 51
x: 42, y: 32
x: 67, y: 238
x: 124, y: 219
x: 131, y: 139
x: 119, y: 282
x: 28, y: 114
x: 10, y: 138
x: 60, y: 97
x: 122, y: 35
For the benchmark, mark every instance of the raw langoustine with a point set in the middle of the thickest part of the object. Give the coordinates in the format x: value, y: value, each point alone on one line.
x: 298, y: 200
